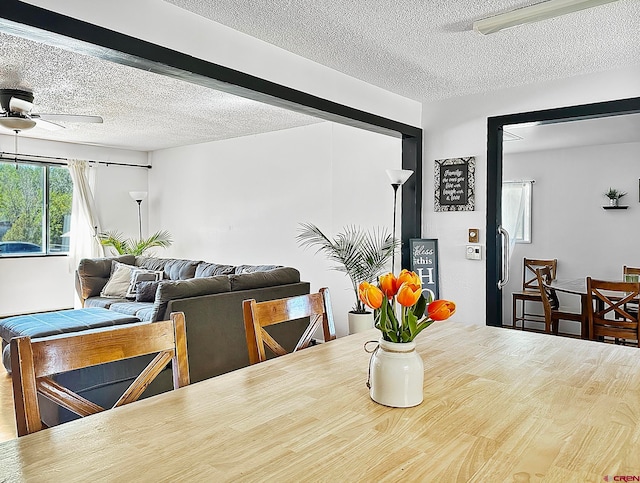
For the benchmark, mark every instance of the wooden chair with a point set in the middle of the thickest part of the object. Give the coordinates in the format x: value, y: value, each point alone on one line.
x: 33, y: 361
x: 606, y: 310
x: 530, y: 291
x: 631, y: 274
x: 257, y: 315
x: 553, y: 314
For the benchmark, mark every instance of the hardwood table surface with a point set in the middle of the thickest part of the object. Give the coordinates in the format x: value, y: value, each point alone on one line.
x: 500, y: 405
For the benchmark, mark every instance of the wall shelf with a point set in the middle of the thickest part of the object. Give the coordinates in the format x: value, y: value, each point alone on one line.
x: 615, y: 207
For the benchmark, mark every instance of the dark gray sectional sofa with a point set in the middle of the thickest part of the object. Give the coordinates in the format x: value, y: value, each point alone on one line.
x: 210, y: 295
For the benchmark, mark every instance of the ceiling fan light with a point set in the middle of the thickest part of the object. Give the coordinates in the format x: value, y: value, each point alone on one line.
x: 533, y: 13
x: 15, y: 123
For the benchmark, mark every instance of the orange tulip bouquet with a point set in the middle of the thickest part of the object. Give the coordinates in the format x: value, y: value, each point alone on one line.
x: 406, y: 290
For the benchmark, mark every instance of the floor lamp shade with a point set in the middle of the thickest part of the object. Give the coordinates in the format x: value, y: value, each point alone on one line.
x: 138, y: 195
x: 399, y: 176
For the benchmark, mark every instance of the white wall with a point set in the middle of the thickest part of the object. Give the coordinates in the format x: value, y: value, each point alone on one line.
x: 170, y: 26
x: 458, y: 127
x: 239, y: 201
x: 568, y: 221
x: 32, y: 284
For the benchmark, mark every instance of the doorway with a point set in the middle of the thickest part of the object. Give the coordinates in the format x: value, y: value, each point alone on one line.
x: 497, y: 251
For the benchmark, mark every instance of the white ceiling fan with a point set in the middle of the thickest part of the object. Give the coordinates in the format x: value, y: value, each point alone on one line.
x: 16, y: 113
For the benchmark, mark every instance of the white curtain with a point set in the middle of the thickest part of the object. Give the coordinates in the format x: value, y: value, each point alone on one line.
x: 513, y: 206
x: 85, y: 226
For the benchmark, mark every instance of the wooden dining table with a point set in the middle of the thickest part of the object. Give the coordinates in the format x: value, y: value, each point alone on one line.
x: 499, y: 405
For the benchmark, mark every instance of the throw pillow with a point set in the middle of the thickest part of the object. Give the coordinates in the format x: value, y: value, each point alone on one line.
x: 146, y: 291
x: 138, y: 276
x: 119, y: 281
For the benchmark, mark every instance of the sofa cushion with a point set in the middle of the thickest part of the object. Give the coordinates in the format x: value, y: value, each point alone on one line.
x: 269, y: 278
x: 174, y: 269
x: 102, y: 302
x: 93, y: 273
x: 180, y: 269
x: 145, y: 314
x: 151, y: 263
x: 178, y: 289
x: 205, y: 269
x: 129, y: 307
x: 118, y: 284
x: 254, y: 268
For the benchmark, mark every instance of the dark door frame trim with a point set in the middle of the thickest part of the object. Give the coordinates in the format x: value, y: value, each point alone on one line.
x: 495, y: 127
x: 43, y: 25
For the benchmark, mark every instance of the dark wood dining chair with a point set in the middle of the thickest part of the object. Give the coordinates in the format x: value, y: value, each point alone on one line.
x: 530, y: 290
x: 258, y: 315
x: 607, y: 314
x: 33, y: 361
x: 553, y: 313
x: 631, y: 274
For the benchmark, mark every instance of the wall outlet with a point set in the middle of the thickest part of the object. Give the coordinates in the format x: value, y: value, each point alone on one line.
x: 474, y: 252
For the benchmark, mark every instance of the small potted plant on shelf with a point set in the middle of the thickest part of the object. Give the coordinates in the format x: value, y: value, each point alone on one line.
x: 361, y: 254
x: 614, y: 195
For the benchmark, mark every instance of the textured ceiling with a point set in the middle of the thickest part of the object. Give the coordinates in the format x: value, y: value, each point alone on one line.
x: 424, y: 50
x: 141, y: 110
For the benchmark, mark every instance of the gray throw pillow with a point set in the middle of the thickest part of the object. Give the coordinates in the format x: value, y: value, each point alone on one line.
x: 146, y: 291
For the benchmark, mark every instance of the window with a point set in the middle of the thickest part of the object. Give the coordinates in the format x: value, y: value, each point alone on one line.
x: 35, y: 208
x: 516, y: 210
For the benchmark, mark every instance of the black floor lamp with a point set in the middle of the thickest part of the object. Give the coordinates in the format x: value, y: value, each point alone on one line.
x: 138, y: 196
x: 397, y: 177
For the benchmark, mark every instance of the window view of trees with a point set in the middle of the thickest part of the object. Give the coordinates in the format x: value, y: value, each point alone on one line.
x: 25, y: 224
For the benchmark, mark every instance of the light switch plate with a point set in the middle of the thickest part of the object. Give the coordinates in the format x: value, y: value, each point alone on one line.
x: 474, y: 235
x: 474, y: 252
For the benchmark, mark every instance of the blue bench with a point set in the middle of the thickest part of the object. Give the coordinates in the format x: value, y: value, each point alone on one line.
x: 53, y: 323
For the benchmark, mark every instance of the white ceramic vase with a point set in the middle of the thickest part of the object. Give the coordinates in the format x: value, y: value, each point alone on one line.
x: 360, y: 322
x: 396, y: 375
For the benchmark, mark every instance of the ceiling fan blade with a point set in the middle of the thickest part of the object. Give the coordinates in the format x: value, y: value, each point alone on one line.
x: 70, y: 118
x: 48, y: 125
x: 20, y: 105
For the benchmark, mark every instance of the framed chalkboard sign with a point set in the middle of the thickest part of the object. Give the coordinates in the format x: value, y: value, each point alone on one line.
x: 455, y: 184
x: 424, y: 261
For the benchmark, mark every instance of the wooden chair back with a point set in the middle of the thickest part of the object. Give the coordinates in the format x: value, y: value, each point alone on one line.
x: 607, y: 311
x: 32, y: 362
x: 529, y: 277
x: 543, y: 275
x: 258, y: 315
x: 630, y: 271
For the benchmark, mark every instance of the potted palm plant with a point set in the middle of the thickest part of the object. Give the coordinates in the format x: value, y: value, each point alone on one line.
x: 361, y: 254
x: 131, y: 246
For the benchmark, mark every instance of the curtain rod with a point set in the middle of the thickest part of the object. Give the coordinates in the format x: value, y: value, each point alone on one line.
x: 25, y: 158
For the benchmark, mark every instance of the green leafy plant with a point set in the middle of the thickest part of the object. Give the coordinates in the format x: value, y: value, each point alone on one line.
x: 614, y: 194
x: 132, y: 246
x: 361, y: 254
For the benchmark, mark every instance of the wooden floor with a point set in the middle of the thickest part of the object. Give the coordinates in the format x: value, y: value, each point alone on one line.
x: 7, y: 421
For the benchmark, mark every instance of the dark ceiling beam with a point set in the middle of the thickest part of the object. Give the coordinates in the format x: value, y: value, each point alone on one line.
x: 45, y: 26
